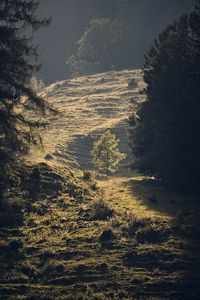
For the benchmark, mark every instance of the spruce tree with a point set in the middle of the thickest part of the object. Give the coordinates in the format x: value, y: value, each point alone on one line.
x: 106, y: 155
x: 165, y: 137
x: 18, y: 102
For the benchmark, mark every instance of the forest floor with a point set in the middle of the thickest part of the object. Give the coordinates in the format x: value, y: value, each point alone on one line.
x: 121, y: 237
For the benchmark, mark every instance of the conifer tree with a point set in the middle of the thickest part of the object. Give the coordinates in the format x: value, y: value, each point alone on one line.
x: 18, y: 102
x: 106, y: 155
x: 165, y: 137
x: 99, y: 48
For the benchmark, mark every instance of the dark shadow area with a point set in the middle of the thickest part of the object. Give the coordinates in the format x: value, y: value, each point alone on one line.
x: 180, y: 249
x: 153, y: 195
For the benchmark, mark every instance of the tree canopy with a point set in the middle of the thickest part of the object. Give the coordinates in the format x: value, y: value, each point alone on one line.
x: 98, y: 48
x: 165, y: 138
x: 142, y: 20
x: 106, y: 155
x: 18, y: 102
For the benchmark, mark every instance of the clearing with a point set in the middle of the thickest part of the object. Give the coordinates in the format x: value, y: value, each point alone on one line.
x: 124, y: 237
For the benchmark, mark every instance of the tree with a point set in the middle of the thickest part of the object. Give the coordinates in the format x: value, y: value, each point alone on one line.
x: 106, y: 155
x: 142, y: 19
x: 166, y: 127
x: 99, y: 48
x: 18, y: 101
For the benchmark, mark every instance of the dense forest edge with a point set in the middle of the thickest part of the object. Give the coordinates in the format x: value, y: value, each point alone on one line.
x: 67, y: 230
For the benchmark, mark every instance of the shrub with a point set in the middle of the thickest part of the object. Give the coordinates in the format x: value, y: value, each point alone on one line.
x: 103, y: 267
x: 48, y: 157
x: 94, y: 186
x: 152, y: 234
x: 87, y: 176
x: 133, y: 223
x: 80, y: 269
x: 101, y: 211
x: 106, y: 237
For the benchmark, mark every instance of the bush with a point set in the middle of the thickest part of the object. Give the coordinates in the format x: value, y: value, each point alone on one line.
x: 106, y: 237
x: 133, y: 224
x: 94, y: 186
x: 88, y: 176
x: 101, y: 211
x: 152, y: 234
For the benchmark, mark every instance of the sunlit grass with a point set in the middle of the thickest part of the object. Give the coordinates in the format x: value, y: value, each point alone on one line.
x: 122, y: 237
x: 64, y: 249
x: 89, y: 105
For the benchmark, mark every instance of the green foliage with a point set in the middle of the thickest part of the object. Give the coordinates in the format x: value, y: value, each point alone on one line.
x: 99, y: 48
x: 88, y: 176
x: 165, y: 138
x: 106, y: 155
x: 142, y: 20
x: 18, y: 101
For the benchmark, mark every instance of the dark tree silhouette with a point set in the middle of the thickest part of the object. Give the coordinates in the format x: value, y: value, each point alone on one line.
x: 18, y: 102
x: 142, y: 20
x: 165, y: 138
x: 99, y: 48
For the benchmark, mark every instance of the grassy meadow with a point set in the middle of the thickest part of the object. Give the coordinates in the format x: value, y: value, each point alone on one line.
x: 121, y: 237
x: 88, y: 106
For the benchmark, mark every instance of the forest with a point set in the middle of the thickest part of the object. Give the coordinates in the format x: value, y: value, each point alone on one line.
x: 140, y: 21
x: 99, y: 149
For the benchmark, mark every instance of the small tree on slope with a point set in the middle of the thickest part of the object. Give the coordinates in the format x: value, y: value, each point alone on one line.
x: 106, y: 155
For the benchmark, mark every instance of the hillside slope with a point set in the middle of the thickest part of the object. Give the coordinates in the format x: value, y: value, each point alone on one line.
x: 89, y: 106
x: 117, y: 238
